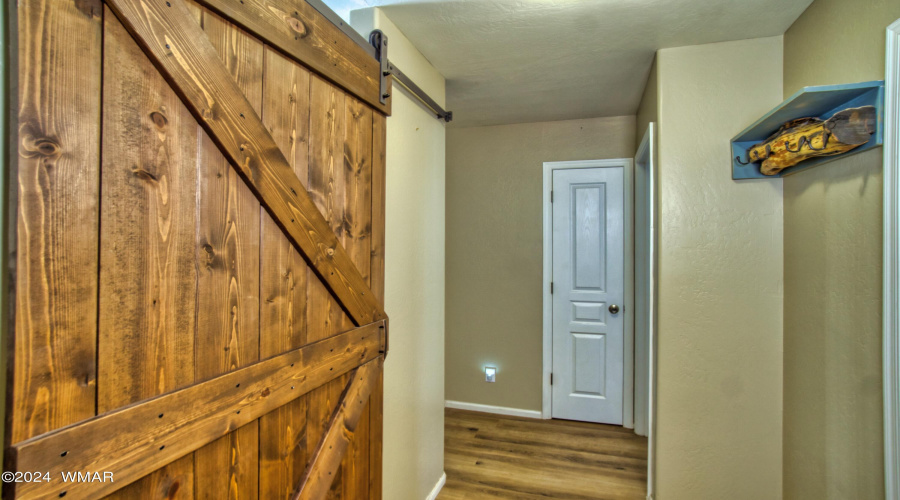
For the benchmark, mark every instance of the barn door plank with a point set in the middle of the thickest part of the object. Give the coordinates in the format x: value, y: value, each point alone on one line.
x: 376, y: 400
x: 54, y: 377
x: 295, y: 28
x: 379, y: 181
x: 148, y: 282
x: 357, y: 239
x: 324, y: 464
x: 228, y: 261
x: 282, y: 433
x: 177, y: 44
x: 327, y: 189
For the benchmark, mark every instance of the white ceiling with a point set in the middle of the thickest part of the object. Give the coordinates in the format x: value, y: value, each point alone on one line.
x: 514, y: 61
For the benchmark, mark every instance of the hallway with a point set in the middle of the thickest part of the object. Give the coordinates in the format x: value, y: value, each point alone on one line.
x: 490, y: 456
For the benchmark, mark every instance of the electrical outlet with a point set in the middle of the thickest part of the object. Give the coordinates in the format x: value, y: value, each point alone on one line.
x: 490, y: 374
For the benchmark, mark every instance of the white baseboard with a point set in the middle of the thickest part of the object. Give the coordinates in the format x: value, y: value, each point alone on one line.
x: 499, y: 410
x: 437, y: 488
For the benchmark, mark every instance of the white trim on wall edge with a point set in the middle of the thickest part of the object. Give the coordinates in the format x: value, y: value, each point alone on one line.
x: 437, y: 487
x: 499, y: 410
x: 891, y: 302
x: 648, y: 147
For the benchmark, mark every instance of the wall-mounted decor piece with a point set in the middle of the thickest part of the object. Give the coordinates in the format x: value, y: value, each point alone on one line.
x: 814, y: 126
x: 805, y: 138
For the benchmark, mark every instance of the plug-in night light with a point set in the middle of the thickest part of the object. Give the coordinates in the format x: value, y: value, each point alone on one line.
x: 490, y: 374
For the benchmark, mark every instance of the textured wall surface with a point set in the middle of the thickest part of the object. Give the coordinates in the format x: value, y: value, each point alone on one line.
x: 414, y: 277
x: 833, y: 434
x: 494, y: 249
x: 719, y: 411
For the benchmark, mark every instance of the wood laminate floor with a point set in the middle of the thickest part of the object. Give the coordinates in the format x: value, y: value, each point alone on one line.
x: 490, y: 456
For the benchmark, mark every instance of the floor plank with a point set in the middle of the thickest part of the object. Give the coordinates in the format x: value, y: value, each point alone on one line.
x: 497, y: 457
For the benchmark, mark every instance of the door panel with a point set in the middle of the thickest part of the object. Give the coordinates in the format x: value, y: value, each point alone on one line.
x: 194, y: 276
x: 588, y: 278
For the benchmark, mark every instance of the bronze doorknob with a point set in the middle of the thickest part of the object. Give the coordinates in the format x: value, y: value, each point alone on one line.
x: 614, y: 309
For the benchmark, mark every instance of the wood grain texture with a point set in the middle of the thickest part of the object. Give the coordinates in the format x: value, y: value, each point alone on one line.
x: 356, y: 238
x: 228, y: 260
x: 148, y: 280
x: 376, y: 438
x: 342, y: 426
x: 297, y: 30
x: 357, y: 171
x: 497, y: 457
x: 376, y: 270
x: 177, y: 45
x: 379, y: 185
x: 156, y: 432
x: 284, y: 273
x: 282, y: 433
x: 327, y: 189
x: 191, y: 276
x: 804, y: 138
x: 54, y: 367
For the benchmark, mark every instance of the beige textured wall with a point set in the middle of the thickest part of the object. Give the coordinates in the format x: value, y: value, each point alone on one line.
x: 648, y: 110
x: 494, y: 252
x: 832, y: 276
x: 414, y: 277
x: 719, y: 412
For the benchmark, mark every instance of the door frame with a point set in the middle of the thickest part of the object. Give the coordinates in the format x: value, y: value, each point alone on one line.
x: 647, y: 149
x: 627, y: 165
x: 891, y: 266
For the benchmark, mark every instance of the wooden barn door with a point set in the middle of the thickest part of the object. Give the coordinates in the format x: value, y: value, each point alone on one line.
x: 198, y: 249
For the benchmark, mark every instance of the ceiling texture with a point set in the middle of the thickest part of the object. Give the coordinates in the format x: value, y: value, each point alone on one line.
x: 516, y: 61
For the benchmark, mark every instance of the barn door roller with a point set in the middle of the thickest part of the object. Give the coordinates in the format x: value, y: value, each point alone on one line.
x: 379, y: 41
x: 376, y: 46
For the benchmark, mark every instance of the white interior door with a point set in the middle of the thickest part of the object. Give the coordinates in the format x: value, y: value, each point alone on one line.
x: 588, y: 294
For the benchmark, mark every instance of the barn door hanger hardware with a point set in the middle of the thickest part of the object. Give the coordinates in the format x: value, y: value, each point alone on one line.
x: 376, y: 46
x: 379, y: 41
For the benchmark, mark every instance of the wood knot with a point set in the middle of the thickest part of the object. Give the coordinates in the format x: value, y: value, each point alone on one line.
x: 33, y: 147
x: 298, y: 27
x: 172, y: 492
x: 47, y: 147
x: 90, y: 8
x: 265, y: 392
x: 159, y: 120
x: 140, y: 173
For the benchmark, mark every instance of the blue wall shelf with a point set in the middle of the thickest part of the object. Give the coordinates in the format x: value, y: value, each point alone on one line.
x: 821, y: 102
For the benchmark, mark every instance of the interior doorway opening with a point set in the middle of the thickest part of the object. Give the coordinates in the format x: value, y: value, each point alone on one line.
x: 571, y: 190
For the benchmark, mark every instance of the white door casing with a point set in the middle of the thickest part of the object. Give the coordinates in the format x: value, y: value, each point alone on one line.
x: 588, y: 217
x: 645, y: 296
x: 644, y: 280
x: 891, y: 279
